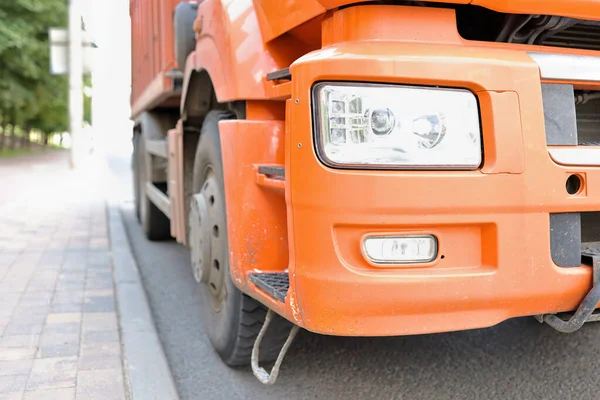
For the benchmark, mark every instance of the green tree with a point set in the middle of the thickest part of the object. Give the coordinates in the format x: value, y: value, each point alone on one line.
x: 29, y: 95
x: 87, y: 101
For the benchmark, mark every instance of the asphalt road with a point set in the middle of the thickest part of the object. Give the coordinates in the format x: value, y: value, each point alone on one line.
x: 518, y: 359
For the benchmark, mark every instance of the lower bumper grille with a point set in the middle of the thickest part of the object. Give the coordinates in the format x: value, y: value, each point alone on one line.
x: 582, y: 35
x: 571, y: 234
x: 571, y: 118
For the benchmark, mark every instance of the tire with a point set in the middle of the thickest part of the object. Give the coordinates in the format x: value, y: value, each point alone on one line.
x: 232, y: 319
x: 185, y: 37
x: 155, y: 224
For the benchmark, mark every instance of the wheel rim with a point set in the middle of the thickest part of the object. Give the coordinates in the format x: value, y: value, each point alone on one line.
x: 208, y: 240
x: 199, y: 230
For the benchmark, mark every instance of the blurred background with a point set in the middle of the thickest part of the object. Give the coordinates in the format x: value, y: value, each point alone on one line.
x: 109, y: 25
x: 34, y: 98
x: 34, y: 102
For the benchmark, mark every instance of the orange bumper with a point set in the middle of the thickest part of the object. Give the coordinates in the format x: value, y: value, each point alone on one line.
x: 492, y: 224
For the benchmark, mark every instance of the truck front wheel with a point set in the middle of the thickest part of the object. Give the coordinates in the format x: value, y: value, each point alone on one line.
x: 232, y: 319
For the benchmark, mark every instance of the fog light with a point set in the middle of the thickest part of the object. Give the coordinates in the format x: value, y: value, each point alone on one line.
x: 400, y: 249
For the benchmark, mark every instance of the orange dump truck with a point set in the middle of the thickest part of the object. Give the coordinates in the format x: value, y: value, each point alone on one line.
x: 371, y: 168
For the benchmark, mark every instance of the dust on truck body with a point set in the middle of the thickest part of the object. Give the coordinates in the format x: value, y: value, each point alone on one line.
x: 373, y: 169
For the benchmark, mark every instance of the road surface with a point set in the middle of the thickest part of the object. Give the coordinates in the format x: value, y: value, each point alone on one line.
x: 518, y: 359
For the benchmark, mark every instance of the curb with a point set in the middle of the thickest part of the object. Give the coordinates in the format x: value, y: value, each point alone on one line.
x: 145, y: 366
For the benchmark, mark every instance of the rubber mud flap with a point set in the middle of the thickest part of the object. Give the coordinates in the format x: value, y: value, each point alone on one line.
x: 185, y: 37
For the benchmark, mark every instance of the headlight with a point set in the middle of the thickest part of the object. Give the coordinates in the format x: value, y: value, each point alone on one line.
x: 397, y: 127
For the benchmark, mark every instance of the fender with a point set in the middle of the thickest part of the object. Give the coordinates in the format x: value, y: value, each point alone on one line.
x: 230, y: 52
x: 230, y: 63
x: 240, y: 41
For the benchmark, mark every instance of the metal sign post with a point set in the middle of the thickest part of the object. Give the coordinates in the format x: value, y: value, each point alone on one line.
x: 71, y: 52
x: 75, y: 77
x: 59, y: 51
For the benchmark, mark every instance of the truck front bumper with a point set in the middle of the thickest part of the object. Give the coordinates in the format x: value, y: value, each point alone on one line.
x: 493, y: 225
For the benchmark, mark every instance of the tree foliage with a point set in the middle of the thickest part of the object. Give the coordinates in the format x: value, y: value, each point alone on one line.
x: 29, y: 95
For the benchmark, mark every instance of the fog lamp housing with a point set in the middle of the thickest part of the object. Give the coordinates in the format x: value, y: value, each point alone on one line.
x: 415, y: 249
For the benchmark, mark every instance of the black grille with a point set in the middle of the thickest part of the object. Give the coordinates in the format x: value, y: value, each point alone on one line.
x: 588, y: 123
x: 582, y: 35
x: 274, y: 283
x: 587, y: 129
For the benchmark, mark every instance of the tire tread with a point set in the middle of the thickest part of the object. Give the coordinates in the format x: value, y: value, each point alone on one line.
x: 252, y: 318
x: 251, y: 314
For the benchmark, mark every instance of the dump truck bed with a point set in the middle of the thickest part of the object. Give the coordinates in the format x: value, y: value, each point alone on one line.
x: 153, y: 55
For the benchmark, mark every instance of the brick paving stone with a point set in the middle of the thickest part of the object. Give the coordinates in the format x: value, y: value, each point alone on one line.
x: 57, y: 350
x: 25, y: 318
x: 31, y: 294
x: 13, y: 396
x: 62, y: 328
x: 17, y: 353
x: 100, y: 385
x: 52, y: 373
x: 63, y: 318
x: 101, y: 258
x: 68, y: 297
x: 66, y: 307
x: 15, y: 367
x: 32, y: 310
x: 36, y: 299
x: 8, y: 257
x: 58, y: 344
x: 11, y: 297
x: 99, y: 304
x: 50, y: 394
x: 100, y: 336
x: 12, y: 384
x: 99, y: 283
x: 20, y: 341
x: 59, y: 336
x: 99, y: 292
x: 99, y: 321
x: 23, y: 328
x: 7, y: 309
x: 100, y: 355
x: 98, y: 243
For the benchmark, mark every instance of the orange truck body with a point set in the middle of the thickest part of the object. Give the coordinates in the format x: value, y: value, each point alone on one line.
x: 153, y: 54
x: 492, y: 224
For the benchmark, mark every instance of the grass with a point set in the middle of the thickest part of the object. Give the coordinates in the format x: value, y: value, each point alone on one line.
x: 13, y: 153
x: 21, y: 152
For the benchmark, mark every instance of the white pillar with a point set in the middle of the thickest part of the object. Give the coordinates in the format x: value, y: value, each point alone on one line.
x: 75, y: 78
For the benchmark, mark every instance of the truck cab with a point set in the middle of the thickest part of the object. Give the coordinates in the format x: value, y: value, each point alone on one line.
x: 372, y: 168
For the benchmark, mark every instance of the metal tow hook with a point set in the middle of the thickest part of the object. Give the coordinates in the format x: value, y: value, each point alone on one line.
x: 585, y: 312
x: 261, y: 374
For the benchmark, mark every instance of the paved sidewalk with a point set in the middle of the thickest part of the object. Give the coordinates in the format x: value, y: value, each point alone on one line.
x: 59, y: 336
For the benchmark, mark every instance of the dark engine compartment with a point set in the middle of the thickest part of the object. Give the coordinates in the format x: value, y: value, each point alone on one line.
x: 477, y: 23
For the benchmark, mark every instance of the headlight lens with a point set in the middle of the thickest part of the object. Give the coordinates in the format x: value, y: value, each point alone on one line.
x: 393, y: 126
